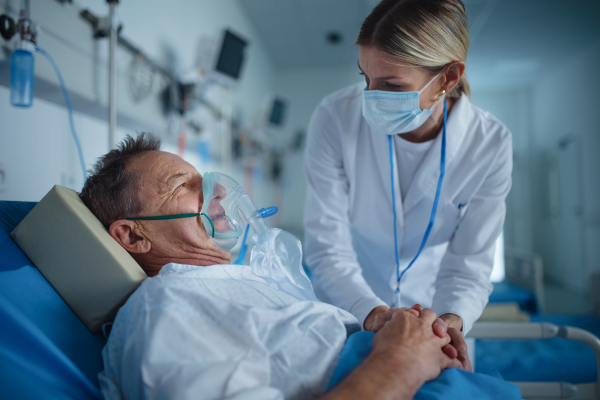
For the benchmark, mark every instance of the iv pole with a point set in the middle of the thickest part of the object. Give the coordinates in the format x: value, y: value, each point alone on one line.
x: 112, y: 75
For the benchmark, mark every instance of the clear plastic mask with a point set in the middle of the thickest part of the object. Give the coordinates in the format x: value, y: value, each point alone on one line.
x: 226, y: 208
x: 226, y: 205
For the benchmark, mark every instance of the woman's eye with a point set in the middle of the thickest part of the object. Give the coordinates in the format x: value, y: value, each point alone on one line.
x: 182, y: 185
x: 392, y: 86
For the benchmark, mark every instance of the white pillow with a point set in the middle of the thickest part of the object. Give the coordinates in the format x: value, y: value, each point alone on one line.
x: 91, y: 272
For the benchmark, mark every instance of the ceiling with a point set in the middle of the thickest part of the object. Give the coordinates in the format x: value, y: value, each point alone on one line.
x: 512, y: 41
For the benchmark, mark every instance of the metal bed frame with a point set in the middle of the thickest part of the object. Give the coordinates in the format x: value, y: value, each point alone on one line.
x: 544, y: 330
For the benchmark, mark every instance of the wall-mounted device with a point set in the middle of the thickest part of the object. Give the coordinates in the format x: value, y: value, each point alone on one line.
x: 221, y: 59
x: 277, y: 114
x: 22, y: 75
x: 22, y: 60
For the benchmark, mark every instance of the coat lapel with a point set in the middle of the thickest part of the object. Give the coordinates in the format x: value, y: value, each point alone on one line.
x: 425, y: 180
x: 382, y: 159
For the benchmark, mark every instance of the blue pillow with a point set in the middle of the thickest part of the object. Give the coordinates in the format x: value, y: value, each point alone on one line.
x: 451, y: 384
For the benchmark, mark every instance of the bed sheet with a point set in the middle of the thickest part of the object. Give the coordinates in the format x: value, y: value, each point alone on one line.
x: 451, y: 384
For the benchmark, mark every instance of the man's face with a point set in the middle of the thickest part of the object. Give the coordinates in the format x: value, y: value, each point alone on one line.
x: 170, y: 185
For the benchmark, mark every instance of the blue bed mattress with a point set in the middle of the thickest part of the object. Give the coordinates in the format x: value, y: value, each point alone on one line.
x: 543, y: 360
x: 46, y: 352
x: 505, y: 292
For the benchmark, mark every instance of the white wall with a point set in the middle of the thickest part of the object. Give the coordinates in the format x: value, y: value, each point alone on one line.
x: 35, y: 144
x: 564, y: 104
x: 38, y: 151
x: 511, y: 107
x: 304, y: 89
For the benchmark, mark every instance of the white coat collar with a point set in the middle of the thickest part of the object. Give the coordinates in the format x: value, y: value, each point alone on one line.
x: 428, y: 174
x: 382, y: 156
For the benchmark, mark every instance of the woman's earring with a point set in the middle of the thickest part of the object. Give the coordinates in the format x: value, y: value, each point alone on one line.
x: 441, y: 94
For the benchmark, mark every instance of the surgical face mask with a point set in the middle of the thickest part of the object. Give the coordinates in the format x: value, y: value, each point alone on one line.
x: 226, y: 205
x: 392, y: 113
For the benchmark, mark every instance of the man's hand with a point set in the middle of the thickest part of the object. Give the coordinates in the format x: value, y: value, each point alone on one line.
x: 407, y: 351
x: 409, y: 335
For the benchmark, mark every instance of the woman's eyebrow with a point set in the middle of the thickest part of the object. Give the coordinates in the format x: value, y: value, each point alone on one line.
x: 383, y: 77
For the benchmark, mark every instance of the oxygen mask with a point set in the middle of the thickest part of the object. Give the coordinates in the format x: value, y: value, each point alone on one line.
x: 226, y: 205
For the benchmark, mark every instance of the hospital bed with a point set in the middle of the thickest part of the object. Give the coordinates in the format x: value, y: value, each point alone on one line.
x: 523, y: 283
x: 46, y: 351
x: 535, y: 352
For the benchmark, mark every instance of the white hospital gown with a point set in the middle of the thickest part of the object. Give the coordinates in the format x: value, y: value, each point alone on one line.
x: 220, y: 332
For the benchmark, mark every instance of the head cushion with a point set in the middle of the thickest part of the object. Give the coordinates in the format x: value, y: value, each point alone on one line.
x: 76, y: 254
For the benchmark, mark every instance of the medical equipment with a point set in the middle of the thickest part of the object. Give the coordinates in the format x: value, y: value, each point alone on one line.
x: 21, y: 75
x: 69, y: 109
x: 221, y: 59
x: 225, y: 204
x: 265, y: 213
x: 22, y: 71
x: 399, y: 275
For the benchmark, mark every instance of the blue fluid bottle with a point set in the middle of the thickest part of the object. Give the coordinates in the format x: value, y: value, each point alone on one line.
x: 21, y: 76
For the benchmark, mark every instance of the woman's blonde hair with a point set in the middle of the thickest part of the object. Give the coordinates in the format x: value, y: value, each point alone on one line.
x: 425, y: 33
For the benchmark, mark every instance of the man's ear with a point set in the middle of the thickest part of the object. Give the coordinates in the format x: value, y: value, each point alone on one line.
x: 453, y: 75
x: 130, y: 236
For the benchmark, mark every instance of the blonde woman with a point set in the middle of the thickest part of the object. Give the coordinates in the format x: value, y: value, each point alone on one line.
x: 406, y: 178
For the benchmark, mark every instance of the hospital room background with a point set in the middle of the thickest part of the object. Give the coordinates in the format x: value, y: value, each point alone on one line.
x: 532, y: 63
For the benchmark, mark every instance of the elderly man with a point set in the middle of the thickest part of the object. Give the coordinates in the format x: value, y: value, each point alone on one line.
x: 200, y: 328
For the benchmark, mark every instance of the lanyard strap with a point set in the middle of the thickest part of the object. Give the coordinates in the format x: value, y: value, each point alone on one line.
x: 433, y: 209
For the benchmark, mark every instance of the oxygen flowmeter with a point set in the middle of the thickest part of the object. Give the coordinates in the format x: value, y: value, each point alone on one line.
x: 22, y: 61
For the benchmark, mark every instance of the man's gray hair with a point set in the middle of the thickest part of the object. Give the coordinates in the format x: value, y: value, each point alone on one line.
x: 111, y: 190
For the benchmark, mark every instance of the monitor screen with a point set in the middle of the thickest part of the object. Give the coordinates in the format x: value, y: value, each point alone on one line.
x: 277, y: 112
x: 231, y: 56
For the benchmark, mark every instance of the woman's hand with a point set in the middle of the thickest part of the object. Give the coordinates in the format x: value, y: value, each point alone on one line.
x: 455, y: 325
x: 370, y: 320
x: 445, y: 325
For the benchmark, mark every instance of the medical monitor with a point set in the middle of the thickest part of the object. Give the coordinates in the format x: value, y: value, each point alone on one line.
x: 221, y: 57
x: 277, y: 114
x: 231, y: 55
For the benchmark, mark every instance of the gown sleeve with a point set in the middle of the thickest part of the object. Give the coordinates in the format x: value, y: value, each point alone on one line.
x: 330, y: 255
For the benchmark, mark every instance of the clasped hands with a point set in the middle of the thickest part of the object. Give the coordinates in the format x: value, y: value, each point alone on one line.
x: 454, y: 345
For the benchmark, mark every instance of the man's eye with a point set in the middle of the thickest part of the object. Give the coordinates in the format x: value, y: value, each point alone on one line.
x: 182, y: 185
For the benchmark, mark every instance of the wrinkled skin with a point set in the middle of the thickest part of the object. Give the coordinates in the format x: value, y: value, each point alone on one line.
x: 168, y: 185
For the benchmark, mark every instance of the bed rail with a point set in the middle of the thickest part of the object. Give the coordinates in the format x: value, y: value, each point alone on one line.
x: 544, y: 330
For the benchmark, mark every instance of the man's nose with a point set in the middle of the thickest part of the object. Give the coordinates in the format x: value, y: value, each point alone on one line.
x: 220, y: 190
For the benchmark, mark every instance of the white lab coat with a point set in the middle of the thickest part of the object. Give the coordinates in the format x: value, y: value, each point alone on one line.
x: 349, y: 232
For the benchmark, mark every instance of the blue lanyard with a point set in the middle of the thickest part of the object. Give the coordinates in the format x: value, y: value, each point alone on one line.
x: 433, y: 210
